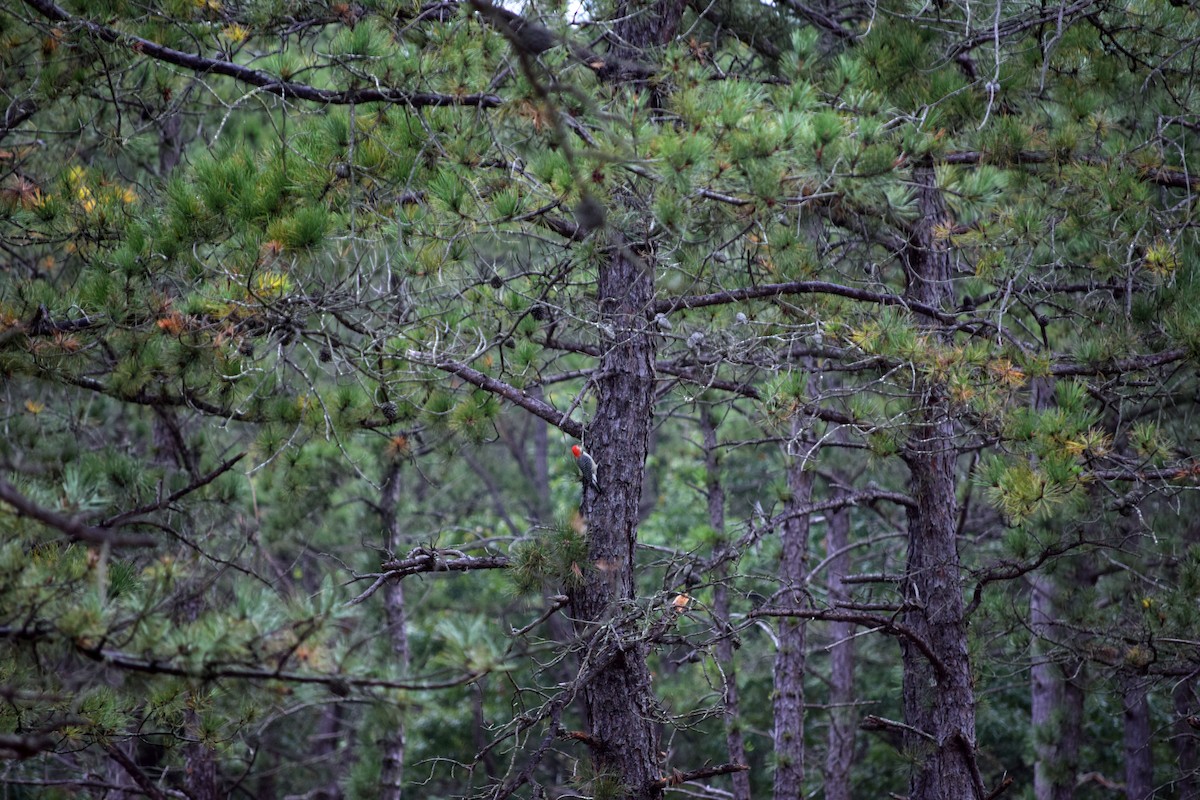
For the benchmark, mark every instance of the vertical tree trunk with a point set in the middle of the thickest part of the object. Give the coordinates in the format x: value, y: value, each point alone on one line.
x: 170, y: 141
x: 839, y: 755
x: 1070, y: 734
x: 1184, y: 740
x: 1139, y: 756
x: 1045, y: 696
x: 939, y: 697
x: 790, y: 659
x: 716, y: 518
x: 391, y: 771
x: 1055, y: 721
x: 619, y: 700
x: 541, y: 462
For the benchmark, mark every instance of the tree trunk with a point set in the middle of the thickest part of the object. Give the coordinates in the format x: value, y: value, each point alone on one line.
x: 790, y: 659
x: 170, y: 141
x: 541, y: 462
x: 1055, y: 721
x: 1045, y: 696
x: 1183, y: 700
x: 1139, y: 756
x: 391, y: 770
x: 939, y: 697
x: 619, y: 699
x: 640, y: 25
x: 716, y: 518
x: 839, y: 755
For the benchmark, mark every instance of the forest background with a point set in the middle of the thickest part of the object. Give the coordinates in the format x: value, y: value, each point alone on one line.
x: 880, y: 320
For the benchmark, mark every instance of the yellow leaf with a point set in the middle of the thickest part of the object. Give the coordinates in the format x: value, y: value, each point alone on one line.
x: 34, y: 407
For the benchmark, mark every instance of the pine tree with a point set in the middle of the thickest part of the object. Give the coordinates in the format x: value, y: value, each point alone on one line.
x: 295, y: 302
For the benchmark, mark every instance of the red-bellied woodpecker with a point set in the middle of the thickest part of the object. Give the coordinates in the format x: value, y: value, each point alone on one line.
x: 587, y: 467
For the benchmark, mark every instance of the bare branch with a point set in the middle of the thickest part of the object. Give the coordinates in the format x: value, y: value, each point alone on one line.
x: 423, y: 559
x: 883, y: 623
x: 676, y: 778
x: 873, y: 722
x: 1016, y: 25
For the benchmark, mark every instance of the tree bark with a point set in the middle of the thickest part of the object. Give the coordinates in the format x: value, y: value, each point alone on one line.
x: 734, y: 741
x: 790, y: 658
x: 391, y: 770
x: 1139, y: 755
x: 939, y: 696
x: 839, y: 754
x: 1184, y: 740
x: 1045, y: 696
x: 541, y: 462
x: 619, y: 700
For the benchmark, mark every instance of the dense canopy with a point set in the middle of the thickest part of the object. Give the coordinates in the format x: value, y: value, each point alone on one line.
x: 879, y: 319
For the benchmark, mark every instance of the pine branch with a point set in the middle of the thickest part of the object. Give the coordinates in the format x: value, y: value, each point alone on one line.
x: 819, y: 20
x: 676, y: 778
x: 1189, y: 470
x: 269, y: 83
x: 422, y: 560
x: 873, y: 722
x: 747, y: 34
x: 1017, y: 25
x: 186, y: 400
x: 798, y: 287
x: 73, y: 528
x: 1121, y: 366
x: 204, y: 480
x: 537, y: 407
x: 1161, y: 176
x: 337, y: 683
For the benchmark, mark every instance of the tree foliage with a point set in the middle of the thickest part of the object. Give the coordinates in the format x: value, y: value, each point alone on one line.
x: 878, y: 319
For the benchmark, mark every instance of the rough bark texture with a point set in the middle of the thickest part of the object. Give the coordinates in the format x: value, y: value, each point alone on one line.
x: 1183, y: 700
x: 1045, y: 696
x: 619, y: 700
x: 1139, y: 754
x: 170, y: 141
x: 640, y: 25
x: 939, y: 698
x: 541, y: 462
x: 839, y: 754
x: 391, y: 768
x: 734, y: 741
x: 790, y: 659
